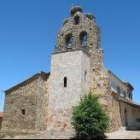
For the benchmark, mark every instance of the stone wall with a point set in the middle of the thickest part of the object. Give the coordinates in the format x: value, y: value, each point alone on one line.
x: 26, y: 106
x: 72, y: 65
x: 0, y: 122
x: 115, y: 113
x: 42, y: 104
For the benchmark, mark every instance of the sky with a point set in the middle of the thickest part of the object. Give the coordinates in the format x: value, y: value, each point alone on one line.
x: 28, y: 31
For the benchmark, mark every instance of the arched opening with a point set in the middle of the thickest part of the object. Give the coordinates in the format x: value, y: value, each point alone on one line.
x: 76, y: 20
x: 65, y: 81
x: 83, y: 38
x: 69, y: 40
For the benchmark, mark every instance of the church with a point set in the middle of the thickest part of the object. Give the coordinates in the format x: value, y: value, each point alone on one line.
x: 44, y: 101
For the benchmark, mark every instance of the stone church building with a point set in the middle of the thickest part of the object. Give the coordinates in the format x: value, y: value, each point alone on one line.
x: 44, y: 101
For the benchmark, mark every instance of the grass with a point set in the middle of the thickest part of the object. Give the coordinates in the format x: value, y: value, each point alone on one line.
x: 2, y: 136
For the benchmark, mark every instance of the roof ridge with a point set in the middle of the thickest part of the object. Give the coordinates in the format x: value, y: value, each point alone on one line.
x: 30, y: 79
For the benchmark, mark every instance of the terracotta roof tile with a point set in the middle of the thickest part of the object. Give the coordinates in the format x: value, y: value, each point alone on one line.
x: 1, y: 114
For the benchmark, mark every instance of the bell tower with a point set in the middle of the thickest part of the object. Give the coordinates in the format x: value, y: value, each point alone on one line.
x: 79, y: 31
x: 75, y: 64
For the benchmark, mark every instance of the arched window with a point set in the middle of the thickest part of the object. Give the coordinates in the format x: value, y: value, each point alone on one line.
x: 83, y: 38
x: 76, y: 20
x: 65, y: 81
x: 69, y: 40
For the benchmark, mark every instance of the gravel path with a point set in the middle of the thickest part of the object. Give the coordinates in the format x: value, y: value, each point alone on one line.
x: 113, y: 135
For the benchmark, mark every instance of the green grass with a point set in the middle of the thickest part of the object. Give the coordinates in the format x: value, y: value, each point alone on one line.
x: 2, y: 136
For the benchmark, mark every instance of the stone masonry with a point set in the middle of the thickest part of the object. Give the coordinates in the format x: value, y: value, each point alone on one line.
x: 26, y: 106
x: 72, y: 65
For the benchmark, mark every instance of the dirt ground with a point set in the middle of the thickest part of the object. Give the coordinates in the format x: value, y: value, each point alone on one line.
x: 113, y: 135
x: 123, y: 135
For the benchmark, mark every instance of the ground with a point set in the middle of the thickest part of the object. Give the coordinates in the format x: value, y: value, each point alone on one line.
x: 121, y: 134
x: 124, y: 135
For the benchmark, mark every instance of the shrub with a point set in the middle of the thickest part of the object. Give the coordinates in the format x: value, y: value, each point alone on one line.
x: 89, y: 119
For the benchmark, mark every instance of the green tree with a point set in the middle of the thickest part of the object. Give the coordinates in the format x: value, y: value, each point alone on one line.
x: 89, y: 119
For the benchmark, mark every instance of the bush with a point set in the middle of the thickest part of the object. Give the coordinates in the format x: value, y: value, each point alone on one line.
x: 89, y: 119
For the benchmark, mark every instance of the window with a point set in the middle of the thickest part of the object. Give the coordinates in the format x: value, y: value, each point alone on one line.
x: 65, y: 81
x: 85, y: 76
x: 23, y: 111
x: 118, y: 90
x: 113, y: 84
x: 124, y: 94
x: 130, y: 95
x: 76, y: 20
x: 69, y: 40
x: 83, y: 38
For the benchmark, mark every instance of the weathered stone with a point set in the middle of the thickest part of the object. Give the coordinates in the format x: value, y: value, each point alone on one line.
x: 26, y: 106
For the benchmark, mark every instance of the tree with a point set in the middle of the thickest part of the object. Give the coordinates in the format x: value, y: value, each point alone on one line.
x: 89, y: 119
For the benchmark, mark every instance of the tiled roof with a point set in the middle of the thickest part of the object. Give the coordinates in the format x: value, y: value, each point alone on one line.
x: 1, y: 114
x: 129, y: 102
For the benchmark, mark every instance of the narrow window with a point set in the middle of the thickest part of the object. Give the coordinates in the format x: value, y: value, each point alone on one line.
x: 118, y: 90
x: 23, y: 111
x: 85, y: 76
x: 83, y: 38
x: 69, y: 40
x: 124, y: 94
x: 65, y: 81
x: 130, y: 95
x: 76, y: 20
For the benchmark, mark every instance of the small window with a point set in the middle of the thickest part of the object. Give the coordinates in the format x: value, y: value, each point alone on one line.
x: 124, y: 94
x: 23, y: 111
x: 83, y: 38
x: 85, y: 76
x: 65, y: 81
x: 118, y: 90
x: 130, y: 95
x: 76, y: 20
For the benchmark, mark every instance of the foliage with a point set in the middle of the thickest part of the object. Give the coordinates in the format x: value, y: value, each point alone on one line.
x: 2, y: 136
x: 89, y: 119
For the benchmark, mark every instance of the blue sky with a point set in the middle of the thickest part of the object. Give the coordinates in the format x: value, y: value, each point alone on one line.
x: 28, y: 30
